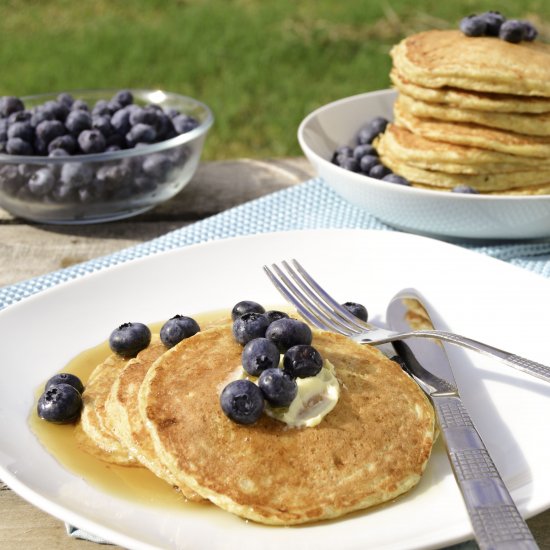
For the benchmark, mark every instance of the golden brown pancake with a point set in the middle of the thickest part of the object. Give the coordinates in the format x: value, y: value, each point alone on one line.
x: 436, y: 59
x: 124, y: 419
x: 401, y: 144
x: 468, y: 99
x: 520, y: 123
x: 94, y: 435
x: 372, y: 447
x: 474, y: 135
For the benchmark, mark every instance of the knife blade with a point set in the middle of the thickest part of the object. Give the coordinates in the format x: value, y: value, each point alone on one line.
x: 496, y: 521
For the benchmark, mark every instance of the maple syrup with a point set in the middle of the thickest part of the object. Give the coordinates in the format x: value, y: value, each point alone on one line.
x: 132, y: 483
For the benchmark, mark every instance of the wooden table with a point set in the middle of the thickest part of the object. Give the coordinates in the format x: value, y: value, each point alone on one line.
x: 28, y: 250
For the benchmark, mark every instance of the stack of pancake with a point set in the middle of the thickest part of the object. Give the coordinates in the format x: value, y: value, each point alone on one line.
x: 161, y: 411
x: 470, y: 111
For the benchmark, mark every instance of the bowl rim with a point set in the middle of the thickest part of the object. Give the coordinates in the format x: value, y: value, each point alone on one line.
x: 181, y: 139
x: 362, y: 178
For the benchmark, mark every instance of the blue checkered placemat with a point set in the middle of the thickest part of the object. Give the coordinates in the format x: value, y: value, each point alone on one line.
x: 310, y: 205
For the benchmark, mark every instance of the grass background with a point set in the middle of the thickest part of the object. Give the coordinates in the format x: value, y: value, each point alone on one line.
x: 261, y: 65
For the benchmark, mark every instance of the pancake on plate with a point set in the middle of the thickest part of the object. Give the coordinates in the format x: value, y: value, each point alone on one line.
x: 93, y: 434
x: 372, y: 447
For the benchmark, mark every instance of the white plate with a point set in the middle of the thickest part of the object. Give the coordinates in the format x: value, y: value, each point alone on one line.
x: 417, y: 210
x: 476, y: 295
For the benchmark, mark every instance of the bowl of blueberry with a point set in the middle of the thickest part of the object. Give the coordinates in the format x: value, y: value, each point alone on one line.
x: 97, y: 155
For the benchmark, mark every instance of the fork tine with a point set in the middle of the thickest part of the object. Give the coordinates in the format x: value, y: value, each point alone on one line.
x: 320, y: 305
x: 292, y: 294
x: 329, y: 304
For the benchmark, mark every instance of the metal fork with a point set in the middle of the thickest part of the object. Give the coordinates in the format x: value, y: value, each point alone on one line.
x: 316, y: 306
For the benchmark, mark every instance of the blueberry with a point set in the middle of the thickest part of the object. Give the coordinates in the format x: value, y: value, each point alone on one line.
x: 359, y: 310
x: 141, y: 133
x: 39, y: 114
x: 79, y: 105
x: 40, y: 146
x: 76, y: 174
x: 129, y: 339
x: 473, y: 25
x: 394, y: 178
x: 48, y: 130
x: 103, y: 124
x: 461, y: 188
x: 19, y: 116
x: 246, y: 306
x: 529, y: 31
x: 350, y: 163
x: 65, y: 378
x: 285, y: 333
x: 18, y: 146
x: 124, y: 97
x: 177, y: 329
x: 259, y: 354
x: 372, y: 129
x: 184, y: 123
x: 22, y: 130
x: 242, y: 401
x: 91, y: 141
x: 41, y: 182
x: 302, y: 361
x: 101, y: 108
x: 367, y: 162
x: 341, y: 153
x: 60, y: 404
x: 66, y: 142
x: 64, y: 193
x: 65, y: 98
x: 275, y: 315
x: 493, y: 22
x: 362, y: 150
x: 278, y: 388
x: 249, y: 326
x: 58, y: 152
x: 144, y: 115
x: 121, y: 121
x: 157, y: 166
x: 378, y: 171
x: 9, y: 105
x: 58, y: 110
x: 512, y: 31
x: 78, y: 120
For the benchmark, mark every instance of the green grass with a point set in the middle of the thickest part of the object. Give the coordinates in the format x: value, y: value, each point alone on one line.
x: 261, y: 65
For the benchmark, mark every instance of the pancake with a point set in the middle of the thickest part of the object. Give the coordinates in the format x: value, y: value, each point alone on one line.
x: 403, y: 145
x: 124, y: 419
x: 521, y: 123
x: 474, y: 135
x: 436, y: 59
x: 372, y: 447
x: 467, y: 99
x: 94, y: 435
x: 484, y: 183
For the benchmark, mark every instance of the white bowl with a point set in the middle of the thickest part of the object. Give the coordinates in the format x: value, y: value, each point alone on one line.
x: 417, y: 210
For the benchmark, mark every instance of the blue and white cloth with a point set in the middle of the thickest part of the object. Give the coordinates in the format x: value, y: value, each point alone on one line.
x: 319, y: 208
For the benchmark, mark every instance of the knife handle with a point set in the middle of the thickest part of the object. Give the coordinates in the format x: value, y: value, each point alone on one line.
x: 496, y: 521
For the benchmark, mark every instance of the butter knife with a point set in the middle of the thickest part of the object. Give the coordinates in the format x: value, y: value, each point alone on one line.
x: 496, y: 521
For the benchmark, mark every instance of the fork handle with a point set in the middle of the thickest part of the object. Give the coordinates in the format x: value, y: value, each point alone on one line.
x: 496, y: 522
x: 521, y: 363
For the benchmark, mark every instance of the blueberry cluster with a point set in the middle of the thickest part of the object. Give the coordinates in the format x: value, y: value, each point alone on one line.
x: 265, y: 335
x: 61, y: 401
x: 363, y: 157
x: 66, y: 127
x: 493, y: 23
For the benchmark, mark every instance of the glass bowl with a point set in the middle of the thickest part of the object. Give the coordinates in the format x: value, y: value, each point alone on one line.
x: 100, y: 187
